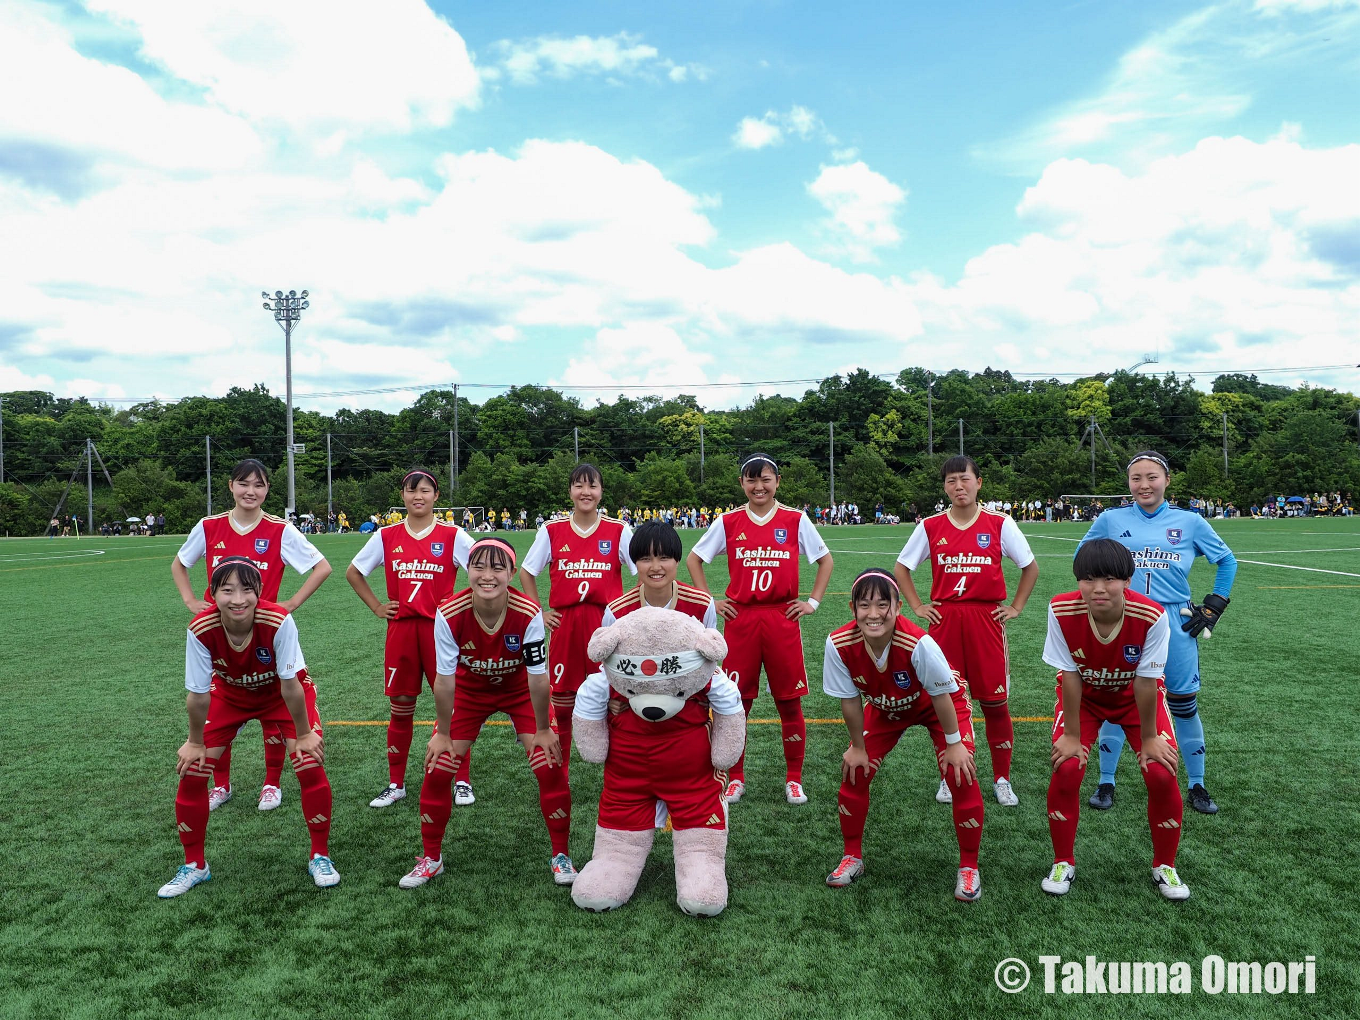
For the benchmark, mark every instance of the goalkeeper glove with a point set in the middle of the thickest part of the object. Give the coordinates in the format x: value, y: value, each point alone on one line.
x: 1204, y: 618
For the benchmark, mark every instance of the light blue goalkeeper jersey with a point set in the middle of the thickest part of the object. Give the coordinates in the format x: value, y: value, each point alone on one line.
x: 1164, y: 547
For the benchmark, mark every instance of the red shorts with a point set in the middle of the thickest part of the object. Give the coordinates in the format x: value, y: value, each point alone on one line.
x: 676, y: 767
x: 568, y: 663
x: 407, y: 656
x: 230, y: 709
x: 975, y: 645
x: 764, y: 636
x: 473, y: 705
x: 882, y: 730
x: 1121, y: 710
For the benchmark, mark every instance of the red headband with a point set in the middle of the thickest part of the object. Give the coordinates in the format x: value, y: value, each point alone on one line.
x: 499, y: 543
x: 420, y: 473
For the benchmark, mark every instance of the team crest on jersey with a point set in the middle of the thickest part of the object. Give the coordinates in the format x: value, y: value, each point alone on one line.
x: 1173, y: 535
x: 984, y: 541
x: 512, y: 642
x: 1132, y: 653
x: 606, y: 546
x: 263, y: 655
x: 781, y: 535
x: 261, y: 546
x: 902, y: 678
x: 436, y: 549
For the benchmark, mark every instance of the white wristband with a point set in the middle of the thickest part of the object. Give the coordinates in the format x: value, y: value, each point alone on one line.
x: 953, y: 738
x: 813, y: 603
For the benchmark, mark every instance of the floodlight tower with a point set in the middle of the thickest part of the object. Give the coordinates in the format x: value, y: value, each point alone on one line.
x: 287, y: 309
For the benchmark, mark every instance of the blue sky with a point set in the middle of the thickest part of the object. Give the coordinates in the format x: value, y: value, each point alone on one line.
x: 667, y: 195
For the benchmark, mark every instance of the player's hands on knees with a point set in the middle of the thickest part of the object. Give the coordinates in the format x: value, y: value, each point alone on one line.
x: 929, y: 613
x: 1005, y: 613
x: 851, y: 761
x: 1158, y: 749
x: 439, y: 744
x: 726, y: 608
x: 547, y: 740
x: 960, y: 759
x: 551, y: 618
x: 1068, y: 746
x: 797, y: 609
x: 196, y: 606
x: 310, y: 743
x: 190, y: 754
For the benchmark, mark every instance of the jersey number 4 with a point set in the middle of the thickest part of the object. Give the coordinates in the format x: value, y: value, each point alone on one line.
x: 958, y: 588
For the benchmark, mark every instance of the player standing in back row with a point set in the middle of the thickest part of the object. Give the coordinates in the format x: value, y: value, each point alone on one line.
x: 585, y: 555
x: 763, y: 540
x: 967, y: 611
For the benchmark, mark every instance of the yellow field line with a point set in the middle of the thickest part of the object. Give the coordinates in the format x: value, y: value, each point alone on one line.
x: 755, y: 722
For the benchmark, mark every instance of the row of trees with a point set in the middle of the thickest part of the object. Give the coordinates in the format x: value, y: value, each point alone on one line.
x: 516, y: 449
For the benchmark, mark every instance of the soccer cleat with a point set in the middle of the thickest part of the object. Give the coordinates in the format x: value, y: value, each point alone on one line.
x: 1005, y: 796
x: 1059, y: 879
x: 463, y: 795
x: 218, y: 796
x: 734, y: 791
x: 1201, y: 801
x: 270, y: 797
x: 793, y: 792
x: 563, y: 871
x: 389, y: 796
x: 185, y: 879
x: 1169, y: 884
x: 426, y: 868
x: 322, y: 870
x: 849, y: 869
x: 1103, y: 798
x: 943, y: 795
x: 968, y: 888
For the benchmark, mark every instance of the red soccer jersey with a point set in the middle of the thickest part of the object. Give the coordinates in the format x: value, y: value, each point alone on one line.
x: 489, y: 660
x: 1109, y: 665
x: 688, y: 599
x: 762, y: 559
x: 262, y: 544
x: 965, y: 563
x: 252, y: 669
x: 420, y: 571
x: 895, y: 687
x: 584, y: 568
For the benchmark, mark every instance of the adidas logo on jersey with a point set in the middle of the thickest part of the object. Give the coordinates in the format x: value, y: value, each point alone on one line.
x: 317, y: 820
x: 470, y: 646
x: 800, y: 683
x: 1170, y: 823
x: 219, y: 662
x: 396, y: 550
x: 793, y: 738
x: 713, y: 819
x: 740, y: 538
x: 1078, y: 654
x: 559, y: 813
x: 943, y: 541
x: 565, y: 548
x: 1004, y: 745
x: 220, y: 545
x: 970, y: 823
x: 1126, y: 535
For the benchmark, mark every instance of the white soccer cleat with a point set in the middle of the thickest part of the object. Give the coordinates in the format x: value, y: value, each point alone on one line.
x: 426, y: 868
x: 185, y: 879
x: 322, y: 870
x: 563, y: 871
x: 1059, y: 879
x: 1169, y: 884
x: 218, y: 796
x: 1005, y: 796
x: 388, y: 797
x: 463, y: 795
x: 793, y: 792
x: 270, y: 798
x: 849, y: 869
x: 943, y: 795
x: 734, y: 791
x: 968, y: 888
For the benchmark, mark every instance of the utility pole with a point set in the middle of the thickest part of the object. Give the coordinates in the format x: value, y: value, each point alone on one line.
x: 701, y: 452
x: 576, y: 442
x: 455, y: 440
x: 329, y: 502
x: 832, y: 461
x: 2, y: 439
x: 1093, y: 453
x: 930, y: 414
x: 453, y: 466
x: 960, y: 437
x: 287, y: 309
x: 1225, y: 444
x: 208, y: 441
x: 89, y: 484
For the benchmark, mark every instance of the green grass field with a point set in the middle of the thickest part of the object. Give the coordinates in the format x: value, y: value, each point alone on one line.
x: 91, y: 646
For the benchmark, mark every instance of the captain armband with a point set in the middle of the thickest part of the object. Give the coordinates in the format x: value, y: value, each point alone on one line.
x: 535, y: 653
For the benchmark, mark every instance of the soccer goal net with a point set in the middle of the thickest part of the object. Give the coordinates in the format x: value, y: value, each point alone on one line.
x: 1086, y: 507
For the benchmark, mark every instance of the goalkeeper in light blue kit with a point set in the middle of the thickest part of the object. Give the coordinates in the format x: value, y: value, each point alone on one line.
x: 1165, y: 540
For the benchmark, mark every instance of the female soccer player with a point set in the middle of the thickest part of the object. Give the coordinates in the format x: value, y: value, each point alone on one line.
x: 655, y: 550
x: 1110, y: 643
x: 1165, y: 540
x: 762, y: 609
x: 242, y: 661
x: 489, y: 644
x: 269, y: 542
x: 883, y: 658
x: 967, y: 611
x: 585, y: 555
x: 421, y: 556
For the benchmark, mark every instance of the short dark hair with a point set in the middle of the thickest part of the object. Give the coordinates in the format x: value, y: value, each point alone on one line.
x: 237, y: 568
x: 655, y: 538
x: 754, y: 464
x: 1103, y: 557
x: 958, y: 464
x: 248, y: 467
x: 875, y: 583
x: 412, y: 478
x: 585, y: 472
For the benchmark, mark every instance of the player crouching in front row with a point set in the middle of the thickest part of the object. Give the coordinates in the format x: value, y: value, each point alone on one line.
x: 1111, y: 644
x: 890, y: 662
x: 490, y: 658
x: 243, y: 662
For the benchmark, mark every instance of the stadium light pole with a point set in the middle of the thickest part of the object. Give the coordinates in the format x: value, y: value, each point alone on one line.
x: 930, y: 414
x: 287, y: 309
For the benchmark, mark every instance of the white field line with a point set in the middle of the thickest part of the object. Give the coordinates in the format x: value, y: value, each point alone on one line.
x: 73, y: 555
x: 1258, y: 563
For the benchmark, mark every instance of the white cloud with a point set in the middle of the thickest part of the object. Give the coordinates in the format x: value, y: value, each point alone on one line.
x: 757, y: 133
x: 620, y: 56
x: 774, y: 127
x: 633, y: 354
x: 863, y: 205
x: 1303, y: 6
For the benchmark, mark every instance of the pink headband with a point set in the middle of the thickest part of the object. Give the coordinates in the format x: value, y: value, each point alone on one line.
x: 499, y: 543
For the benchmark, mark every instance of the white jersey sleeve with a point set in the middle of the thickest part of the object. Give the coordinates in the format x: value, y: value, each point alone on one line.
x: 1056, y: 652
x: 932, y: 668
x: 462, y: 548
x: 724, y: 697
x: 197, y: 665
x: 370, y: 557
x: 592, y: 699
x: 835, y: 675
x: 539, y: 553
x: 299, y: 553
x: 535, y: 633
x: 287, y: 649
x: 195, y: 547
x: 1014, y: 544
x: 711, y: 615
x: 625, y: 557
x: 1152, y: 663
x: 713, y: 543
x: 810, y: 542
x: 913, y: 554
x: 445, y: 647
x: 607, y: 618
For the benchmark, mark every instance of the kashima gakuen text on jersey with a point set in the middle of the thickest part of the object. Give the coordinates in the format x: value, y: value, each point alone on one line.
x: 762, y: 556
x: 574, y: 569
